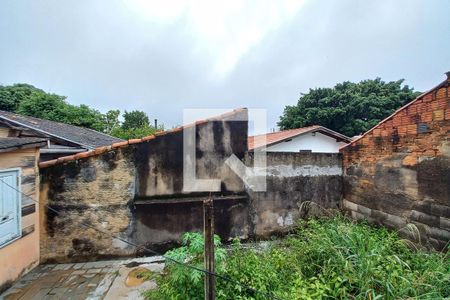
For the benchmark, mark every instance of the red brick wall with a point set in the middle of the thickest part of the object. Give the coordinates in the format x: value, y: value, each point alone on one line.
x: 399, y: 171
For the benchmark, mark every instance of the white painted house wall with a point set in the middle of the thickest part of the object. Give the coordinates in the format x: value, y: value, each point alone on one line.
x: 316, y: 142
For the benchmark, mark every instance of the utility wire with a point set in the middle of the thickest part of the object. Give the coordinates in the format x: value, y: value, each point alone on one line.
x: 225, y: 278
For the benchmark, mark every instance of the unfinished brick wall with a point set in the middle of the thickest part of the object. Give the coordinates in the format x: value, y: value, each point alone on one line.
x: 399, y: 171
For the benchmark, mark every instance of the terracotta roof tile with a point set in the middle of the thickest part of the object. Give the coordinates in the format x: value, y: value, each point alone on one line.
x: 119, y: 144
x: 177, y: 129
x: 104, y: 149
x: 67, y: 158
x: 268, y: 139
x: 200, y: 122
x: 274, y: 137
x: 147, y: 138
x: 46, y: 164
x: 84, y: 154
x: 134, y: 141
x: 158, y: 133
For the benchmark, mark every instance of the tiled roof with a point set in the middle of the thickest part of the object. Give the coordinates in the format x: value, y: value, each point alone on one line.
x: 272, y: 138
x: 104, y: 149
x: 14, y: 143
x: 84, y: 137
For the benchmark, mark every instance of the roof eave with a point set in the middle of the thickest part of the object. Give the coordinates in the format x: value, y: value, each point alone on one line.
x: 319, y: 128
x: 24, y: 146
x: 46, y: 133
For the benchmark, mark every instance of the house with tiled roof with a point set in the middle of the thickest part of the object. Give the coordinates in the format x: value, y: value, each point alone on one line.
x: 312, y: 139
x: 19, y: 209
x: 63, y: 139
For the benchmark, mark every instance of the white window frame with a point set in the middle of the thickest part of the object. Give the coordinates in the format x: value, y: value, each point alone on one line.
x: 19, y: 205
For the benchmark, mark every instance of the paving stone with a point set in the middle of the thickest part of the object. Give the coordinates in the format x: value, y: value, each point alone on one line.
x: 96, y: 279
x: 53, y: 297
x: 12, y: 293
x: 82, y: 296
x: 81, y: 287
x: 36, y: 293
x: 21, y: 284
x: 104, y: 263
x: 63, y: 267
x: 31, y: 276
x: 103, y: 286
x: 94, y: 265
x: 78, y: 266
x: 43, y: 274
x: 48, y: 267
x: 70, y: 279
x: 47, y: 281
x: 58, y: 292
x: 109, y: 270
x: 76, y: 282
x: 89, y: 265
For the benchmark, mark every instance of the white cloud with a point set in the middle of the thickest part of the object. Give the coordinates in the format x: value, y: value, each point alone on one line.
x: 222, y: 31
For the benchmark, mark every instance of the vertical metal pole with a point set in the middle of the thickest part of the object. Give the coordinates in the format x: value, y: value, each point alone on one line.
x: 208, y: 232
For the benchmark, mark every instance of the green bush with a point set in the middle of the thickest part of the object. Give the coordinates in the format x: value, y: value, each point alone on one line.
x: 179, y: 281
x: 323, y: 259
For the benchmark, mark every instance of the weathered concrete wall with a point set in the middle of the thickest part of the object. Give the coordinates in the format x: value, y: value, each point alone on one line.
x: 160, y: 224
x: 159, y: 162
x: 399, y: 172
x: 115, y: 192
x: 293, y: 178
x: 97, y: 191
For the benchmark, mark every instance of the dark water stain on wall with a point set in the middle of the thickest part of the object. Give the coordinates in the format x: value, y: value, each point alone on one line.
x: 433, y: 177
x: 161, y: 225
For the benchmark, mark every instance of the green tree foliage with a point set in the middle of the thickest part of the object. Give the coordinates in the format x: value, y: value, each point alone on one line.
x: 111, y: 120
x: 349, y: 108
x: 135, y: 119
x: 135, y: 125
x: 11, y: 96
x: 133, y: 133
x: 42, y: 105
x: 28, y: 100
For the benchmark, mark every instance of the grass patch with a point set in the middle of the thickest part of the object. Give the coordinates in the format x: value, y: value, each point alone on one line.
x: 333, y: 258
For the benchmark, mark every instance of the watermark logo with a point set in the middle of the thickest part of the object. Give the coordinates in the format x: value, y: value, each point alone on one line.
x: 254, y: 177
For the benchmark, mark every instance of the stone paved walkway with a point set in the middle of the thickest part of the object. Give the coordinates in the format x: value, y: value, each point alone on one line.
x: 92, y: 280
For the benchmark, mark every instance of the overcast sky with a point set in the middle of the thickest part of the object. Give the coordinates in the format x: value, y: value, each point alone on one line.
x: 164, y: 56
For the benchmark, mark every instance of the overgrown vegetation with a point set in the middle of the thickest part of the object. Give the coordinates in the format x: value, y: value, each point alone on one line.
x: 322, y: 259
